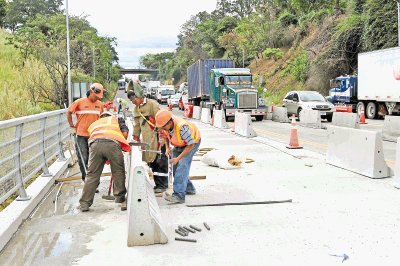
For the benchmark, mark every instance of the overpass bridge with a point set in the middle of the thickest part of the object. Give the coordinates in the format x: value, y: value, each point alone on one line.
x: 153, y: 72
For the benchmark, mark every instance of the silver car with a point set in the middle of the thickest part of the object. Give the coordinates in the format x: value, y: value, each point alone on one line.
x: 295, y: 101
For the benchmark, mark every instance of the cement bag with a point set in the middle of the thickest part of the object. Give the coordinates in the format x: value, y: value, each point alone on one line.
x: 222, y: 159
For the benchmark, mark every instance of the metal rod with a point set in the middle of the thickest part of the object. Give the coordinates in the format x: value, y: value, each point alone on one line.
x: 206, y: 226
x: 68, y: 56
x: 195, y: 228
x: 183, y: 229
x: 185, y: 239
x: 183, y: 232
x: 179, y: 232
x: 190, y: 230
x: 239, y: 203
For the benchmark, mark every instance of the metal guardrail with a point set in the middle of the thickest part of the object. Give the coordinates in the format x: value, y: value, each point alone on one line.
x: 27, y: 144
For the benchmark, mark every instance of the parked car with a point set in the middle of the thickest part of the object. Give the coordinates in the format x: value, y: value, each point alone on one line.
x: 295, y: 101
x: 175, y: 99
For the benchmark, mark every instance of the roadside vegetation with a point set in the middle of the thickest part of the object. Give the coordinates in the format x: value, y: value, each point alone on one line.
x: 33, y: 58
x: 288, y: 44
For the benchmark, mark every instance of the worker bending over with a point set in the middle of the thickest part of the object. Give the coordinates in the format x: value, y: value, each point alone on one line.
x: 87, y: 110
x: 185, y: 137
x: 107, y: 140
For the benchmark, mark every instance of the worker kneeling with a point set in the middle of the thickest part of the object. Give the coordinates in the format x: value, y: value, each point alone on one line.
x: 107, y: 138
x: 185, y: 137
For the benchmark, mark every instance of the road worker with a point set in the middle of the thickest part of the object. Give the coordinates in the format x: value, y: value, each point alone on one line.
x: 87, y: 110
x: 144, y: 112
x: 185, y: 137
x: 106, y: 142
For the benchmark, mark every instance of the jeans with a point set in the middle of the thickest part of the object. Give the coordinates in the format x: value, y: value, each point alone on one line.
x: 82, y: 143
x: 182, y: 184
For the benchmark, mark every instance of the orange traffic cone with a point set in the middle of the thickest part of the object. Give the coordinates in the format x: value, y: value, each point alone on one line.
x: 294, y: 140
x: 362, y: 117
x: 272, y: 108
x: 212, y: 117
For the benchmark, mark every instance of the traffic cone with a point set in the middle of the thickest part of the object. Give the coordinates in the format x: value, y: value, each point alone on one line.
x: 294, y: 140
x: 362, y: 117
x: 212, y: 117
x: 272, y: 108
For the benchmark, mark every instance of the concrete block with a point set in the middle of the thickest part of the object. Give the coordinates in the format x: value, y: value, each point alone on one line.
x: 396, y: 182
x: 310, y: 118
x: 391, y: 128
x: 206, y: 115
x: 341, y: 119
x: 145, y: 225
x: 196, y: 112
x: 219, y: 119
x: 357, y: 150
x: 280, y: 115
x: 243, y: 125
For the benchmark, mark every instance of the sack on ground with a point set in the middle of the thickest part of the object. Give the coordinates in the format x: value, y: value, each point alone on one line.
x: 222, y: 159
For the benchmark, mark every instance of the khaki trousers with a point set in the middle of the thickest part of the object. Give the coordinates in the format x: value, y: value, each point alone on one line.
x: 100, y: 151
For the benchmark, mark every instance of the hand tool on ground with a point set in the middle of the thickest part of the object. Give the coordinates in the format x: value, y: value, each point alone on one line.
x: 239, y: 203
x: 185, y: 239
x: 195, y: 228
x: 109, y: 196
x: 206, y: 226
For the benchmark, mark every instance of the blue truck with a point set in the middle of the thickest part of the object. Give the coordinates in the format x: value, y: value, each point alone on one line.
x: 376, y: 88
x: 216, y: 83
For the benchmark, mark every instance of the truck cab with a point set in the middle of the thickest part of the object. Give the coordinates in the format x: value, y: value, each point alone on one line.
x: 232, y: 90
x: 343, y: 89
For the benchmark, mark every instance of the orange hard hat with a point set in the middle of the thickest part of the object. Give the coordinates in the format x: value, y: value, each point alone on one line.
x: 162, y: 117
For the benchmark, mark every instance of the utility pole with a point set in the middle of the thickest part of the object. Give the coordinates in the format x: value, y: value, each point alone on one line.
x: 398, y: 22
x: 68, y: 57
x: 94, y: 64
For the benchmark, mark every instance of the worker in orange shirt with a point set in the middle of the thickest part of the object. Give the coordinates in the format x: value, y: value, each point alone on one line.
x: 87, y: 110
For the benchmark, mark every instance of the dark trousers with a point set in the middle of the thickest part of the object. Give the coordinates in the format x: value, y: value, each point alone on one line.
x: 82, y: 142
x: 160, y: 169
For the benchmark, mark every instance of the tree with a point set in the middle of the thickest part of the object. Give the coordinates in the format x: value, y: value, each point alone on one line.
x: 3, y: 12
x: 20, y: 11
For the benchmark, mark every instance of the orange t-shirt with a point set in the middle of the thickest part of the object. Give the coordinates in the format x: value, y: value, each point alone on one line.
x: 86, y: 113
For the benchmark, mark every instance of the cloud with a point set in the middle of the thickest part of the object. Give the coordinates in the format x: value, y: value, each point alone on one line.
x: 129, y: 57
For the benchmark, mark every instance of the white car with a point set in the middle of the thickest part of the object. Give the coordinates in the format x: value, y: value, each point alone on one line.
x: 295, y: 101
x: 175, y: 99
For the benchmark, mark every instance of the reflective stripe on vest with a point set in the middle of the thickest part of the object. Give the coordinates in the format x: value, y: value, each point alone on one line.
x: 176, y: 139
x: 108, y: 128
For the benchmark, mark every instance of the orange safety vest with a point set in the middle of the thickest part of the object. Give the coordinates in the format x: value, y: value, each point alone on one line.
x: 176, y: 139
x: 108, y: 128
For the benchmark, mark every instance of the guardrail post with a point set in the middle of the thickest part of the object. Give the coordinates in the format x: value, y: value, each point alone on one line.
x: 43, y: 148
x: 61, y: 155
x: 19, y: 179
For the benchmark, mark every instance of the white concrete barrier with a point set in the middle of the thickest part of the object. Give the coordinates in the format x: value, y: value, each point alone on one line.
x: 206, y: 115
x: 280, y: 115
x: 145, y: 226
x: 357, y: 150
x: 342, y: 119
x: 391, y: 128
x: 396, y: 182
x: 196, y: 112
x: 243, y: 125
x: 310, y: 118
x: 219, y: 119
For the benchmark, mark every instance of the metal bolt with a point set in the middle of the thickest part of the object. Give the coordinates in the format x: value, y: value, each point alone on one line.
x: 179, y: 232
x: 206, y: 226
x: 195, y: 228
x: 188, y: 229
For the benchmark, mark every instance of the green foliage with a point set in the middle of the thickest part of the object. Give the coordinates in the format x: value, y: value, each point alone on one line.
x: 287, y: 18
x: 3, y: 12
x: 298, y: 68
x: 274, y: 53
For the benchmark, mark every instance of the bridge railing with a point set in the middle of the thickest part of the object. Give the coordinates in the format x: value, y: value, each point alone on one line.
x: 27, y: 145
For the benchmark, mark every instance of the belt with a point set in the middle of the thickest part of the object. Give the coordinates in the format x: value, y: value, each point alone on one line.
x: 102, y: 140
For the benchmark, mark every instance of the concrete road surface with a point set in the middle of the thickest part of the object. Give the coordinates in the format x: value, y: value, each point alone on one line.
x: 335, y: 215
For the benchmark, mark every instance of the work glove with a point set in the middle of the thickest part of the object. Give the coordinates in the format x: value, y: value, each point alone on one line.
x: 72, y: 131
x: 137, y: 138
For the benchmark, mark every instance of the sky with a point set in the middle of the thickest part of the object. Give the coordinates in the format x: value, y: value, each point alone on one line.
x: 141, y: 27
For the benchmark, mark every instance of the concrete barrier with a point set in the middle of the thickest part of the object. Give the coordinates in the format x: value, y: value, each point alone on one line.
x: 357, y: 150
x: 219, y: 119
x: 196, y: 112
x: 280, y: 115
x: 391, y: 128
x: 396, y: 182
x: 310, y: 118
x: 345, y: 120
x: 206, y: 115
x: 145, y: 226
x: 243, y: 125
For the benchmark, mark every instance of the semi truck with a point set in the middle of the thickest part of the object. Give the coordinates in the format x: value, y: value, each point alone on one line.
x: 216, y: 83
x: 376, y: 88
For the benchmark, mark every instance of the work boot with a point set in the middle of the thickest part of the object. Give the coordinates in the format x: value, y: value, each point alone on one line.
x: 83, y: 208
x: 190, y: 192
x: 120, y: 199
x: 123, y: 206
x: 173, y: 199
x: 159, y: 190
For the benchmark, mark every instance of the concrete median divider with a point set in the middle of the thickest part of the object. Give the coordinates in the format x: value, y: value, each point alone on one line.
x: 196, y: 112
x: 280, y: 115
x: 391, y: 128
x: 243, y: 125
x: 396, y: 182
x: 206, y: 115
x: 310, y: 118
x: 268, y: 115
x: 219, y: 119
x: 145, y: 225
x: 357, y: 150
x: 349, y: 120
